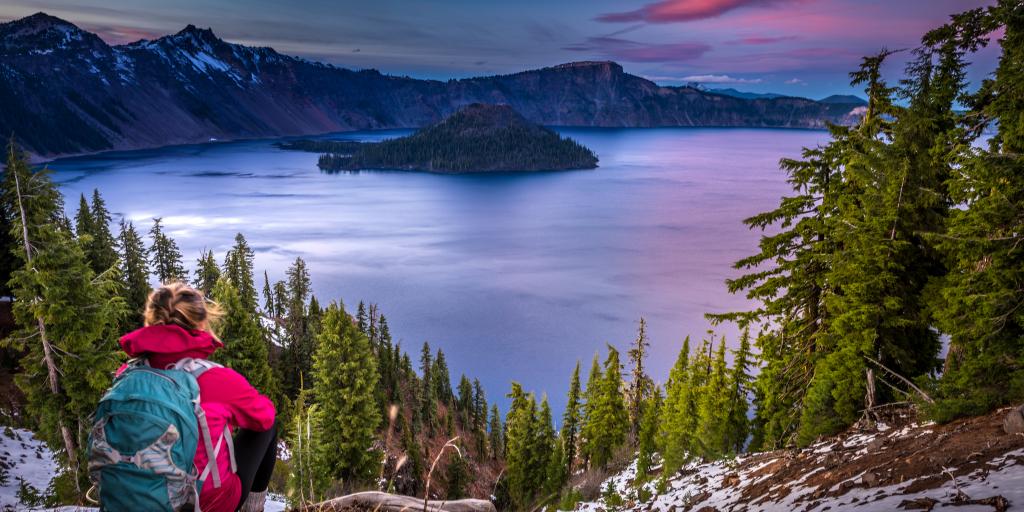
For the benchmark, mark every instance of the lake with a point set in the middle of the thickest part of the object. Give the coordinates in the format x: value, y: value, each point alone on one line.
x: 514, y: 276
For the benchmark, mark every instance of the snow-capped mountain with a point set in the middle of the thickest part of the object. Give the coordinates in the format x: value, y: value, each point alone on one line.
x: 64, y: 90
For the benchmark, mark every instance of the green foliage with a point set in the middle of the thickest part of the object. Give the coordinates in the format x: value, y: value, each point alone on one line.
x: 640, y: 385
x: 245, y: 349
x: 712, y: 436
x: 607, y: 420
x: 648, y: 435
x: 978, y: 303
x: 441, y: 380
x: 308, y: 480
x: 477, y: 138
x: 456, y: 476
x: 571, y: 421
x: 675, y: 416
x: 68, y: 316
x: 165, y: 255
x: 345, y: 375
x: 496, y: 439
x: 134, y: 273
x: 238, y: 268
x: 207, y: 274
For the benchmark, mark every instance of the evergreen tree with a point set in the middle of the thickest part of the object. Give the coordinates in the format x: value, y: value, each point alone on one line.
x: 713, y: 410
x: 165, y: 255
x: 457, y: 476
x: 101, y: 250
x: 345, y: 375
x: 739, y: 384
x: 238, y: 268
x: 68, y: 316
x: 608, y: 422
x: 269, y: 301
x: 361, y: 320
x: 571, y: 420
x: 415, y: 459
x: 465, y: 401
x: 648, y: 435
x: 590, y: 397
x: 442, y: 380
x: 308, y: 479
x: 676, y: 438
x: 495, y: 433
x: 640, y: 386
x: 978, y: 303
x: 244, y: 349
x: 134, y: 273
x: 428, y: 407
x: 207, y: 273
x: 544, y: 451
x: 479, y: 423
x: 520, y: 438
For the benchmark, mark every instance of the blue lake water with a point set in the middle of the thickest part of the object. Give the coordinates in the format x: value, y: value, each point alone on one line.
x: 514, y: 276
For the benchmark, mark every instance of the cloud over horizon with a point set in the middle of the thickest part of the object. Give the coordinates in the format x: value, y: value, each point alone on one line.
x: 672, y: 11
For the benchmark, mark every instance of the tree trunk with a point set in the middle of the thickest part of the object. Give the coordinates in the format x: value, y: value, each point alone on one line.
x: 384, y: 502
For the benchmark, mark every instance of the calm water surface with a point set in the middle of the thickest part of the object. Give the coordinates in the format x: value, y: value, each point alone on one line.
x: 514, y: 276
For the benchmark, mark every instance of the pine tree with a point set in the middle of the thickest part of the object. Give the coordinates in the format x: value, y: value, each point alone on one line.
x: 676, y: 438
x: 590, y: 397
x: 543, y: 448
x: 442, y: 380
x: 134, y: 273
x: 608, y: 422
x: 415, y: 459
x: 307, y: 480
x: 640, y: 386
x: 571, y: 421
x: 978, y: 303
x: 713, y: 410
x: 648, y: 435
x: 238, y: 268
x: 739, y: 384
x: 69, y: 317
x: 102, y: 250
x: 495, y: 433
x: 207, y: 273
x: 244, y: 349
x: 165, y: 255
x: 457, y: 476
x: 428, y: 407
x: 520, y: 437
x: 345, y: 375
x: 361, y: 320
x: 465, y: 401
x: 479, y: 423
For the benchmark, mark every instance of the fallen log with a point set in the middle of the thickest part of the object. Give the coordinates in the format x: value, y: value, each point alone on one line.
x: 383, y: 502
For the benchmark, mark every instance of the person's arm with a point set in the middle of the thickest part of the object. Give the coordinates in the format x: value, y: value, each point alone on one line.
x: 248, y: 408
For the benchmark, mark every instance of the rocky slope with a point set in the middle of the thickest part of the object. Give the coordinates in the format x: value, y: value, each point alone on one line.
x: 63, y: 91
x: 977, y: 463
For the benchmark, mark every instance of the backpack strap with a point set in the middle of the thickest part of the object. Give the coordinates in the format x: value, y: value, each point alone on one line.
x: 197, y: 367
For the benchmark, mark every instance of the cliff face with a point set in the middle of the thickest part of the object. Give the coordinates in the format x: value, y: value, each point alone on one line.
x: 64, y: 91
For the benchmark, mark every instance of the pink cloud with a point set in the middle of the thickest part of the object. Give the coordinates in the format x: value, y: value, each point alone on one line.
x: 669, y: 11
x: 635, y: 51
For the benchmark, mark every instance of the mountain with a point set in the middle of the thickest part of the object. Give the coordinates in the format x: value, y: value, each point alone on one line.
x: 844, y: 99
x: 65, y: 91
x: 747, y: 95
x: 477, y: 138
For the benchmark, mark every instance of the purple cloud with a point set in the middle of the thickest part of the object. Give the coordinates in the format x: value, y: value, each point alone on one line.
x: 670, y: 11
x: 634, y: 51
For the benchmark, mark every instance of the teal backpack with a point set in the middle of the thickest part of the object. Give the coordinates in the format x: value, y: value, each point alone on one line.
x: 144, y: 438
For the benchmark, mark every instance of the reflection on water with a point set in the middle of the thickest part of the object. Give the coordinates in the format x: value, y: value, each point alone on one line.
x: 515, y: 276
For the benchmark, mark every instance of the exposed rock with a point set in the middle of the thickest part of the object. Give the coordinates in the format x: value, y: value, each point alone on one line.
x: 384, y: 502
x: 1014, y: 421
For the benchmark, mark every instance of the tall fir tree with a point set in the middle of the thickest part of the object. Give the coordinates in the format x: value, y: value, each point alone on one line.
x: 101, y: 249
x: 608, y: 422
x: 571, y: 419
x: 979, y: 302
x: 739, y: 386
x: 244, y: 347
x: 674, y: 420
x: 134, y: 273
x: 238, y: 268
x: 648, y: 441
x: 441, y: 378
x: 640, y: 384
x: 495, y: 434
x: 428, y: 405
x: 165, y: 255
x: 345, y: 376
x: 712, y: 439
x: 520, y: 438
x: 68, y: 316
x: 207, y: 273
x: 590, y: 396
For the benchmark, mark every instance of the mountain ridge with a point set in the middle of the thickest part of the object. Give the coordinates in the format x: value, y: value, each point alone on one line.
x: 64, y: 91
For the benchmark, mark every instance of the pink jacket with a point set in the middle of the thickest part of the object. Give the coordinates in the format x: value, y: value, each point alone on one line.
x: 225, y: 395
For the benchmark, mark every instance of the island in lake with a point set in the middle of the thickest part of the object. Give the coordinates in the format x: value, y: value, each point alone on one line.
x: 477, y: 138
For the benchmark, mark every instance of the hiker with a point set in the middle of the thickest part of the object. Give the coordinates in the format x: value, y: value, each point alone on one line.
x: 177, y: 327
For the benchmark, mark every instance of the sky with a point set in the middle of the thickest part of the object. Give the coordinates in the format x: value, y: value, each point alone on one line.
x: 796, y: 47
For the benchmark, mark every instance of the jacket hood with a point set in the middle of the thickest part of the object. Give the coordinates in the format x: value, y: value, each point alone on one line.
x: 166, y: 344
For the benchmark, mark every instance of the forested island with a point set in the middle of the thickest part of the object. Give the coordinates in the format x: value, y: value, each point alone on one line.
x: 477, y: 138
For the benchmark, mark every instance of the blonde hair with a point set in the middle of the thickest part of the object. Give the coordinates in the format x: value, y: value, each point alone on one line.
x: 180, y: 304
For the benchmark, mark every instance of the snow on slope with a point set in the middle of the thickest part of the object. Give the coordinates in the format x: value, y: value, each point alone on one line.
x: 880, y: 469
x: 25, y: 458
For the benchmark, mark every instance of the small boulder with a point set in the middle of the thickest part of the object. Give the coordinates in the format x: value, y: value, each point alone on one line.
x: 870, y: 479
x: 1014, y: 421
x: 731, y: 480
